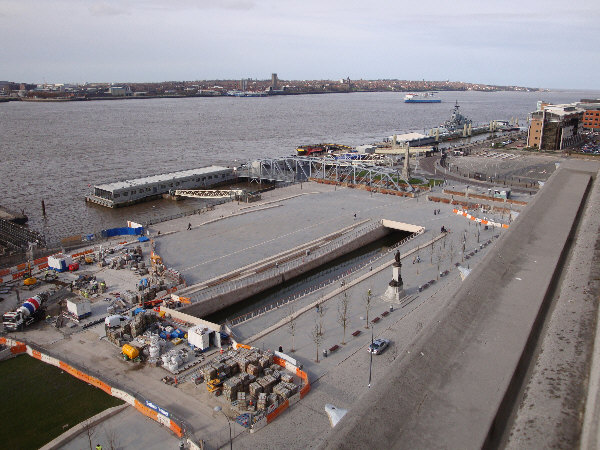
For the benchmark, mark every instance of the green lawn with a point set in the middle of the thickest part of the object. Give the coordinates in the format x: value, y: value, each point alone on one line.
x: 39, y: 399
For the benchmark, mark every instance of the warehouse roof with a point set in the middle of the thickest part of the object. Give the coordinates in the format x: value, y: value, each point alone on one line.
x: 161, y: 178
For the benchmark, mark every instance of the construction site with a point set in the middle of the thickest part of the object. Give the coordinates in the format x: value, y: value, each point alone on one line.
x: 289, y: 365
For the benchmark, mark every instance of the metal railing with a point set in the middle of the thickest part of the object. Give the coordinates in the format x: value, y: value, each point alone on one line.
x: 233, y: 285
x: 329, y: 281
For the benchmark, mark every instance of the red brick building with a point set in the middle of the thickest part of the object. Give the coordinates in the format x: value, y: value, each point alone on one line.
x: 591, y: 116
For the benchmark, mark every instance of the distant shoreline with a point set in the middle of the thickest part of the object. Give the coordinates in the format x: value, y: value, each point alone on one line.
x: 147, y: 97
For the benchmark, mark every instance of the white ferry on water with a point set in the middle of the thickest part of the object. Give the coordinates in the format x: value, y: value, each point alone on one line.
x: 423, y: 97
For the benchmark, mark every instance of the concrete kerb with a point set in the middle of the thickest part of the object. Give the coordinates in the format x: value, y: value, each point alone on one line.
x: 339, y: 290
x: 93, y: 421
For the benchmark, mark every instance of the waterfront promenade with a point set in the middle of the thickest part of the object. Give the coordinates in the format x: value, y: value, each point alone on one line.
x: 247, y: 233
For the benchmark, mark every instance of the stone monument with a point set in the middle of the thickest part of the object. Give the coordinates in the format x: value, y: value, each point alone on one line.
x: 395, y: 290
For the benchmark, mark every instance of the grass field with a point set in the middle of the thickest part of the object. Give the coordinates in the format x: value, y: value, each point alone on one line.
x: 39, y: 399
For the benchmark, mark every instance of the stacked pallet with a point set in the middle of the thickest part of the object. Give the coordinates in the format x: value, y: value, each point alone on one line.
x: 252, y: 370
x: 282, y: 390
x: 231, y: 387
x: 272, y: 400
x: 241, y: 400
x: 261, y: 404
x: 209, y: 372
x: 267, y: 383
x: 255, y: 389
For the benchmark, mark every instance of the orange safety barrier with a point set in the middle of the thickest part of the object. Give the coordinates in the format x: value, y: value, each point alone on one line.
x: 271, y: 417
x: 302, y: 374
x: 21, y: 266
x: 74, y: 372
x: 4, y: 272
x: 176, y: 429
x: 146, y: 411
x: 18, y: 348
x: 43, y: 266
x: 100, y: 384
x: 1, y: 281
x: 305, y: 389
x: 39, y: 261
x: 18, y: 275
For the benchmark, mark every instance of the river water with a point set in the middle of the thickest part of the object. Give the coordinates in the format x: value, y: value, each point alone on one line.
x: 56, y: 151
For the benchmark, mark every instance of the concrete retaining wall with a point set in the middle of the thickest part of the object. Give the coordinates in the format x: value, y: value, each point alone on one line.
x: 220, y: 302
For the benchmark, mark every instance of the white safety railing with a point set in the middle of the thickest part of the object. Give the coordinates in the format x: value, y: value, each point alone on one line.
x: 233, y: 285
x: 274, y: 305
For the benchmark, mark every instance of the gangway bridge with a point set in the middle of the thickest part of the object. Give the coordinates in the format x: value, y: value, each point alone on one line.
x: 294, y: 169
x: 208, y: 193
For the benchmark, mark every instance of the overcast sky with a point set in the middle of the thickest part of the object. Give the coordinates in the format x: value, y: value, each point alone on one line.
x: 535, y: 43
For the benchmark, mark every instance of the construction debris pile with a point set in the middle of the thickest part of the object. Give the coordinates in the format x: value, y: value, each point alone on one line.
x: 137, y: 326
x: 120, y: 258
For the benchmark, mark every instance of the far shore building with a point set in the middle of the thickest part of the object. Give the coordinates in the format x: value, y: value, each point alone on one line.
x: 555, y: 127
x: 120, y: 91
x: 591, y: 116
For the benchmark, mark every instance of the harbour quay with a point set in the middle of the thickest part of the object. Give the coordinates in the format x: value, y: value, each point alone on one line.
x: 452, y: 280
x: 128, y: 192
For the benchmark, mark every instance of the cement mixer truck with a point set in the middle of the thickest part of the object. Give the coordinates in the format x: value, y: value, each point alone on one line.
x: 32, y: 310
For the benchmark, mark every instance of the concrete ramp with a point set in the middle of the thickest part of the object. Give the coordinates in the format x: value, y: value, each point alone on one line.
x: 402, y: 226
x: 461, y: 379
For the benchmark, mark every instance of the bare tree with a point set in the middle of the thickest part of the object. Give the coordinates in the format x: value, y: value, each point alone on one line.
x: 321, y: 313
x: 90, y: 432
x: 317, y: 338
x: 451, y: 251
x: 112, y: 438
x: 367, y: 299
x: 343, y: 318
x: 292, y: 325
x: 438, y: 259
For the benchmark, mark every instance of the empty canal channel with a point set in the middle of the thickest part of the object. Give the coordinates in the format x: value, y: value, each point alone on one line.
x: 322, y: 275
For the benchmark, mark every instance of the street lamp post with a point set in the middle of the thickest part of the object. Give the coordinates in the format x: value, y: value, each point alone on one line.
x: 371, y: 353
x: 219, y: 409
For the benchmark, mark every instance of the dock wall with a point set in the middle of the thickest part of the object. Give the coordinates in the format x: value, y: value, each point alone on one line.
x: 219, y: 302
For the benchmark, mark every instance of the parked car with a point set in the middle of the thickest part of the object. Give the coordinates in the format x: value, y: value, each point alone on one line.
x: 378, y: 346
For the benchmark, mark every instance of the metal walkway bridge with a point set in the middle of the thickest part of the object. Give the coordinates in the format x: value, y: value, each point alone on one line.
x: 205, y: 193
x: 294, y: 169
